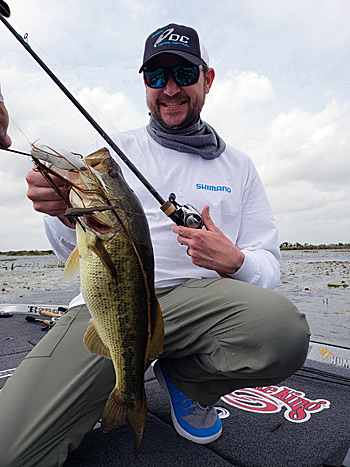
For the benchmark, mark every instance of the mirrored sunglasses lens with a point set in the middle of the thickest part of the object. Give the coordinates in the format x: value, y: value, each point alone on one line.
x: 186, y: 75
x: 156, y: 78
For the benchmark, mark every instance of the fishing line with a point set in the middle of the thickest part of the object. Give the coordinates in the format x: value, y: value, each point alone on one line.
x: 67, y: 77
x: 182, y: 215
x: 20, y: 130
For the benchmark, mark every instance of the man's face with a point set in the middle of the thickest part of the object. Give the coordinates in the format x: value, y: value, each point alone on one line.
x: 176, y: 106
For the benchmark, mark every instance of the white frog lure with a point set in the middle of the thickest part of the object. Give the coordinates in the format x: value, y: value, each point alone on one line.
x: 71, y: 168
x: 61, y: 159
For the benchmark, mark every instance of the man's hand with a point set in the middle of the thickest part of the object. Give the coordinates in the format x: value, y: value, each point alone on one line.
x: 210, y: 248
x: 5, y: 142
x: 44, y: 197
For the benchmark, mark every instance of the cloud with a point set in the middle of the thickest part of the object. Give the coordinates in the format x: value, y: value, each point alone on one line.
x: 45, y: 114
x: 280, y: 94
x: 238, y: 88
x: 300, y: 145
x: 139, y: 8
x: 305, y: 167
x: 309, y: 23
x: 302, y: 156
x: 22, y: 229
x: 116, y: 109
x: 233, y: 103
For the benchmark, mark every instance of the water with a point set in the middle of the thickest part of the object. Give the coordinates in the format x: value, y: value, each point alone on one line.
x: 35, y: 280
x: 305, y: 276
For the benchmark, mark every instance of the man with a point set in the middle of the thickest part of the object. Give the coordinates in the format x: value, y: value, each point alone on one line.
x: 221, y: 333
x: 5, y: 140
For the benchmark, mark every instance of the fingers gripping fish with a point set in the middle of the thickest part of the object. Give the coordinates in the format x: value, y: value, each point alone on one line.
x: 115, y: 257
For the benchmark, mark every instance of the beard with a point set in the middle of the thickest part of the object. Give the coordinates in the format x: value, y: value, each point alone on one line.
x: 195, y: 105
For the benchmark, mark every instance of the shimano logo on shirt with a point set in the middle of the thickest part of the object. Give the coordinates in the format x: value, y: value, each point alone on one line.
x: 201, y: 186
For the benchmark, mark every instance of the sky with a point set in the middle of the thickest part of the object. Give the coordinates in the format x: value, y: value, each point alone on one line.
x: 281, y: 94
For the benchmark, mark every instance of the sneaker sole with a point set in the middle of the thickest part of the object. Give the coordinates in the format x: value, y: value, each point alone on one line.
x: 199, y: 440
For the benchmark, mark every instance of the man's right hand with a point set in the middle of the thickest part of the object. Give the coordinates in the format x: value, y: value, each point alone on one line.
x: 44, y: 197
x: 5, y: 142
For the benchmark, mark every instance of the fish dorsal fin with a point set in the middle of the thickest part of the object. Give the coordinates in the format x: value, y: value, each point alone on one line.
x: 72, y: 267
x: 157, y: 337
x: 93, y: 342
x: 99, y: 250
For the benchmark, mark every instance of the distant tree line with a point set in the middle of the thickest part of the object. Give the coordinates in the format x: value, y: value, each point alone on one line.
x: 283, y: 246
x: 27, y: 253
x: 307, y: 246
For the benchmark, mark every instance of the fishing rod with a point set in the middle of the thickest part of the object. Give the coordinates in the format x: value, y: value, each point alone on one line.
x: 185, y: 215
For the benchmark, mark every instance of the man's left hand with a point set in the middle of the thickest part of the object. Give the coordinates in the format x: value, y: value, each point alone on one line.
x: 210, y: 248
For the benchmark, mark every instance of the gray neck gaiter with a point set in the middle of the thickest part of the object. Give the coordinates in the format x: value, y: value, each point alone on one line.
x: 199, y: 138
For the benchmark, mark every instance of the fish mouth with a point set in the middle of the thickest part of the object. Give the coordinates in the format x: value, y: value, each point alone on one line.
x: 96, y: 225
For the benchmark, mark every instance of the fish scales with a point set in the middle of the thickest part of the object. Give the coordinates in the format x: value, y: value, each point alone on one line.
x: 115, y: 258
x: 109, y: 302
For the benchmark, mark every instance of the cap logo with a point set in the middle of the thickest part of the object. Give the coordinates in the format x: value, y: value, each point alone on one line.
x: 168, y: 37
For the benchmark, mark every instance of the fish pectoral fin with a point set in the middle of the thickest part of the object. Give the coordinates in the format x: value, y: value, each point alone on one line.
x: 71, y: 269
x: 94, y: 343
x: 116, y: 414
x: 99, y: 250
x: 157, y: 337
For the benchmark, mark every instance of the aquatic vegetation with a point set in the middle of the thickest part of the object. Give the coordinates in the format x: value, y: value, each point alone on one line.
x: 342, y: 284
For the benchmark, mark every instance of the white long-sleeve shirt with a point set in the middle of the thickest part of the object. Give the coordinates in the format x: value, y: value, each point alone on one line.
x: 229, y: 184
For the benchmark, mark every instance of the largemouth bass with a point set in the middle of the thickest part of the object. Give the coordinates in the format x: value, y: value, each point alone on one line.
x: 116, y: 264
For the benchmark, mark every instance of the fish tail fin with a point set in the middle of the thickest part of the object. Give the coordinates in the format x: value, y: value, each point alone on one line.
x: 157, y: 337
x: 116, y: 414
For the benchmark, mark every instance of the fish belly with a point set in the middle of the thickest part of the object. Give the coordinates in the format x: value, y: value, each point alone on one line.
x: 119, y: 310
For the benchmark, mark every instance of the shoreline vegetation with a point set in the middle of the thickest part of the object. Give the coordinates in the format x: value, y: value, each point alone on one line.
x: 306, y: 246
x: 285, y: 246
x: 26, y: 253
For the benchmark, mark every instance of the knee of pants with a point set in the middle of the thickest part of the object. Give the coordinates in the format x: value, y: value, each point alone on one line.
x: 280, y: 340
x: 271, y: 338
x: 230, y: 328
x: 293, y: 343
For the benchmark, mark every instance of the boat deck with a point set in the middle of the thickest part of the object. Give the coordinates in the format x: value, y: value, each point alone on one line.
x: 304, y: 421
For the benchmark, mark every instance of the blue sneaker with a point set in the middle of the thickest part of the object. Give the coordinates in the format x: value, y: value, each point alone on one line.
x: 198, y: 423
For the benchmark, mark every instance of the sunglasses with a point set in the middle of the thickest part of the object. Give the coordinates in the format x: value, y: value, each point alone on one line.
x: 183, y: 75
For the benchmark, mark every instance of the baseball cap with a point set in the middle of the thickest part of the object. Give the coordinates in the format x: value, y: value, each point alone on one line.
x: 175, y: 39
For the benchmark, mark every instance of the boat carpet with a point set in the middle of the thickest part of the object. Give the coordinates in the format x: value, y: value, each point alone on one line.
x: 301, y: 422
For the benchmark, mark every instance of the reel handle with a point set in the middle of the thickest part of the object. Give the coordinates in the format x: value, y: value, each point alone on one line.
x: 185, y: 215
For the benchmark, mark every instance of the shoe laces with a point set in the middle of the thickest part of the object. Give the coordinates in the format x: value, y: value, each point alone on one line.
x: 200, y: 416
x: 188, y: 403
x: 197, y: 407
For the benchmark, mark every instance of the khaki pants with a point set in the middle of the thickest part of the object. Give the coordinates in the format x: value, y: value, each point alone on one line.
x: 220, y: 335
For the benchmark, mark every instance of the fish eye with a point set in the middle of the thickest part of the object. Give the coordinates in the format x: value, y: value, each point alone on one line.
x: 113, y: 174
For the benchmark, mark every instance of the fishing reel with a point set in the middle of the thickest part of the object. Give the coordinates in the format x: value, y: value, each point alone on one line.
x: 185, y: 215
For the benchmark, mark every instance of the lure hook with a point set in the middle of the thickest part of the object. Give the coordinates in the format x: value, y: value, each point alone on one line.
x: 175, y: 212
